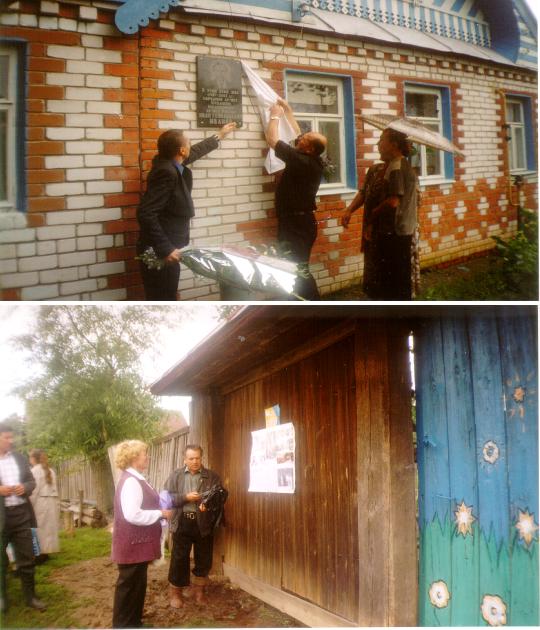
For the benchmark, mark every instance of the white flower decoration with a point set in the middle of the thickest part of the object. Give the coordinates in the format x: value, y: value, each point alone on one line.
x: 439, y: 594
x: 494, y: 610
x: 491, y: 452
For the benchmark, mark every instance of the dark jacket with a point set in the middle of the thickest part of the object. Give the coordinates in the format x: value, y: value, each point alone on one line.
x: 175, y: 487
x: 167, y: 206
x: 297, y: 189
x: 29, y: 483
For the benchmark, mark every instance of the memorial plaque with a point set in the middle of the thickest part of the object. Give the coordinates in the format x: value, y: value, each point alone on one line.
x: 219, y: 92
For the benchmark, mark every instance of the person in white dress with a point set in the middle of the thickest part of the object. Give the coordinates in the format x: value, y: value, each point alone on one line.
x: 46, y: 504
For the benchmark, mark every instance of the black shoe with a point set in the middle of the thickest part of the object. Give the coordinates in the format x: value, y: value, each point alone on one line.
x: 36, y: 603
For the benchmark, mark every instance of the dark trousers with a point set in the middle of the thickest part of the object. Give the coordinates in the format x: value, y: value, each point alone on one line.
x: 161, y: 285
x: 186, y: 536
x: 390, y: 255
x: 129, y: 595
x: 17, y: 532
x: 296, y: 235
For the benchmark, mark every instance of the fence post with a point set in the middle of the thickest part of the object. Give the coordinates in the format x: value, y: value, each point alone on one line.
x: 81, y: 504
x: 68, y: 523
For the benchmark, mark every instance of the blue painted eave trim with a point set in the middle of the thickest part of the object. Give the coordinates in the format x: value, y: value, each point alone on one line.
x: 527, y: 16
x: 136, y: 13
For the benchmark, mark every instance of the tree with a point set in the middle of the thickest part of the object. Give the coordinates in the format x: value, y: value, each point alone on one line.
x: 86, y: 393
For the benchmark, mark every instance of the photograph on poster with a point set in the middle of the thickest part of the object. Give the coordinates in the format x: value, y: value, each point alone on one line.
x: 271, y: 466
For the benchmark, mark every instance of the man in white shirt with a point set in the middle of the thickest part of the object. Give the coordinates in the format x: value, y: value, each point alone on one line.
x: 16, y: 518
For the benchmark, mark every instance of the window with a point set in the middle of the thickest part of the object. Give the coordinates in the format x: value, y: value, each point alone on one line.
x: 520, y: 142
x: 323, y: 103
x: 431, y: 107
x: 10, y: 140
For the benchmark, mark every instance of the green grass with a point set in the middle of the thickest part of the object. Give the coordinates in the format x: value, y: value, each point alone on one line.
x: 86, y: 544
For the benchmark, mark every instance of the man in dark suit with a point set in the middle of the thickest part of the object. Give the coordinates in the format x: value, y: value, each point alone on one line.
x: 167, y: 207
x: 16, y: 518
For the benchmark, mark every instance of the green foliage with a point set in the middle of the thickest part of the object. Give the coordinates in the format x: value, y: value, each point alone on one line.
x: 61, y: 610
x: 88, y: 393
x: 520, y: 254
x: 512, y: 273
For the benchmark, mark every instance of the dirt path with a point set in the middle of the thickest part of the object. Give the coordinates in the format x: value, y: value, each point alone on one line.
x: 91, y: 584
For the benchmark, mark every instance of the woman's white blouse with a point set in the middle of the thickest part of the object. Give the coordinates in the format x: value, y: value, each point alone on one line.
x: 131, y: 499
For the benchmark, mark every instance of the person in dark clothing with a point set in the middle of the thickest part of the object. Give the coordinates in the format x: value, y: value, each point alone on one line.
x: 16, y: 519
x: 389, y: 197
x: 295, y: 193
x: 192, y: 525
x: 167, y: 208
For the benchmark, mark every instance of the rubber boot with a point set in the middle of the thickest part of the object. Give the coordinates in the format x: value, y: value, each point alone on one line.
x: 175, y: 597
x: 28, y: 589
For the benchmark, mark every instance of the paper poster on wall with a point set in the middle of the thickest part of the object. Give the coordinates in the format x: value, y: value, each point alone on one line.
x: 271, y: 466
x: 272, y: 416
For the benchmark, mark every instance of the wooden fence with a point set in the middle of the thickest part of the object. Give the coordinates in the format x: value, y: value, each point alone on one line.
x: 77, y: 474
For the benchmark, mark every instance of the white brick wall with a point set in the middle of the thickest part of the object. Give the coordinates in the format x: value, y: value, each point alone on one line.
x: 66, y: 258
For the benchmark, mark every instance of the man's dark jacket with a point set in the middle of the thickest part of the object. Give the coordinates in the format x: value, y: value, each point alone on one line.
x: 175, y: 486
x: 167, y: 206
x: 29, y: 483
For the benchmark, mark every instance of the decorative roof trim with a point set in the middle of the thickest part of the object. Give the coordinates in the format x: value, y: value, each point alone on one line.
x: 136, y: 13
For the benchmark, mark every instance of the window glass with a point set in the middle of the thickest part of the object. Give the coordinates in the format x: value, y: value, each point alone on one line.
x: 9, y: 141
x: 425, y: 105
x: 514, y: 112
x: 3, y: 156
x: 518, y: 138
x: 331, y: 131
x: 317, y: 103
x: 517, y: 147
x: 4, y: 76
x: 313, y: 97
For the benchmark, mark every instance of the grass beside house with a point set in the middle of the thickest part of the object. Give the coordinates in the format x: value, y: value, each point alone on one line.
x: 86, y: 543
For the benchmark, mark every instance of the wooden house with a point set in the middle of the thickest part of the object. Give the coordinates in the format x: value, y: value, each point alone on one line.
x: 345, y: 548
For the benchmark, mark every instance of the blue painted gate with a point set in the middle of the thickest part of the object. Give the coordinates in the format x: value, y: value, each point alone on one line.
x: 477, y: 432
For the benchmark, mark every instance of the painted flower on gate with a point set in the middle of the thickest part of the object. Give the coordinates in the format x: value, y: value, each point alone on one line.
x: 464, y: 519
x: 490, y: 452
x: 526, y: 527
x: 493, y: 610
x: 439, y: 594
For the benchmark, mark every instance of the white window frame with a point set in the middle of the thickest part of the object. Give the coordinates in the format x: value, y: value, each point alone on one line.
x: 434, y: 91
x: 315, y: 119
x: 513, y: 129
x: 10, y: 105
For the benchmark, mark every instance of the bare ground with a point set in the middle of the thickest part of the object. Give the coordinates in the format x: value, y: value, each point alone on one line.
x: 91, y: 585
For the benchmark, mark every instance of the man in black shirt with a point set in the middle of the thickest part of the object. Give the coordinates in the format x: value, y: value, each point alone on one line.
x: 295, y: 193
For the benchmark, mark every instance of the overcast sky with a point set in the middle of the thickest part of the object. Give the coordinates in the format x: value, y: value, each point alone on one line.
x: 17, y: 320
x: 535, y: 6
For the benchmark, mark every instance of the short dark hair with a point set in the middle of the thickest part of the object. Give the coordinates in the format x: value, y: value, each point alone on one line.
x: 318, y: 146
x: 193, y: 447
x: 6, y: 427
x: 400, y: 140
x: 170, y: 142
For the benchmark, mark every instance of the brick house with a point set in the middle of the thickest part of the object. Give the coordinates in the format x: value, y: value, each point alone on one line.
x: 89, y: 85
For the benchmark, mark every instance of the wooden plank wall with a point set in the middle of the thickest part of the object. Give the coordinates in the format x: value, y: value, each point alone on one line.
x: 74, y: 475
x: 386, y: 476
x: 478, y: 460
x: 166, y: 454
x: 306, y: 543
x: 351, y: 521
